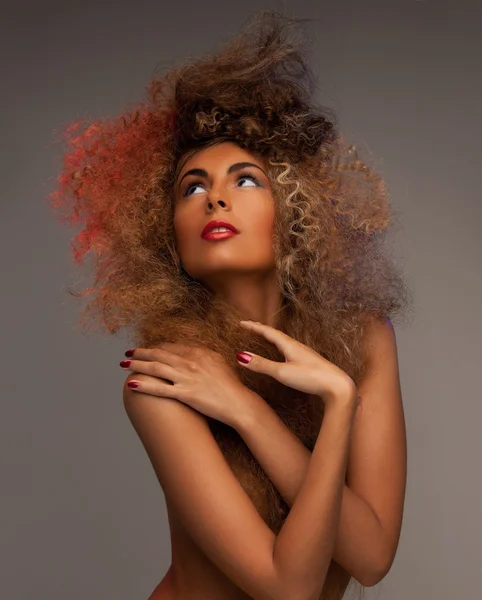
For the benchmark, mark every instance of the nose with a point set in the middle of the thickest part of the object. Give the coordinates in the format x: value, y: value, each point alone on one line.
x: 213, y: 200
x: 218, y: 197
x: 211, y: 204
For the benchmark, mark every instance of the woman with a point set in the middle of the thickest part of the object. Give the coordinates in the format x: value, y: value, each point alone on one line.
x: 242, y: 241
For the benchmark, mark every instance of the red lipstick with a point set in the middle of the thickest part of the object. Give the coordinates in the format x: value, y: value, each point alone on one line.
x: 207, y: 234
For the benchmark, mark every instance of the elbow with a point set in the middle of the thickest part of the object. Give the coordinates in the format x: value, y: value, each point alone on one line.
x: 380, y: 567
x: 375, y: 575
x: 371, y: 579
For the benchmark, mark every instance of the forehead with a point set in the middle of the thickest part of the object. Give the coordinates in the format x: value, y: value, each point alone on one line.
x: 220, y: 155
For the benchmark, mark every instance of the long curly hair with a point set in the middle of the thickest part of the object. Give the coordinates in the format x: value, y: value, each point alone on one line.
x: 332, y: 218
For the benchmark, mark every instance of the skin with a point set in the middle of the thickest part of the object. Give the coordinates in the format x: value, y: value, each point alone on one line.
x: 240, y: 269
x: 372, y: 505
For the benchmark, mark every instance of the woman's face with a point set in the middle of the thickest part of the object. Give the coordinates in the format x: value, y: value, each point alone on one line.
x: 224, y: 182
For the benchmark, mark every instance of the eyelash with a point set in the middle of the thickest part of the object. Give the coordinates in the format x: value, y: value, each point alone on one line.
x: 245, y: 176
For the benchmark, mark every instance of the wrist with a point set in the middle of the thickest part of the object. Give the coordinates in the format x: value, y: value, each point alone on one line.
x: 247, y: 411
x: 344, y: 394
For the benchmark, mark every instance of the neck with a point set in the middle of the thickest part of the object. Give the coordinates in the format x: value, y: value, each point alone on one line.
x: 256, y: 298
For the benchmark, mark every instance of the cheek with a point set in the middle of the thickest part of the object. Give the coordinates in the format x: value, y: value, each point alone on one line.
x: 184, y: 226
x: 262, y: 224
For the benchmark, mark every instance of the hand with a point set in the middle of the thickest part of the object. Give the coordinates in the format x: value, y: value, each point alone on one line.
x: 196, y: 376
x: 304, y: 369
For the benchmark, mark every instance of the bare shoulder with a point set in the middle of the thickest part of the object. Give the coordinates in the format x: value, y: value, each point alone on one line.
x: 208, y: 499
x: 380, y: 341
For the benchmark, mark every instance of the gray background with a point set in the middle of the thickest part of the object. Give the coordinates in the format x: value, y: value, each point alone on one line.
x: 82, y: 513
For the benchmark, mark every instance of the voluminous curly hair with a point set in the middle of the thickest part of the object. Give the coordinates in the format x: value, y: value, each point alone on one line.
x: 332, y: 218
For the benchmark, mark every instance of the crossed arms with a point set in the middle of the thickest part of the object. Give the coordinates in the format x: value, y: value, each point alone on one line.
x: 369, y: 447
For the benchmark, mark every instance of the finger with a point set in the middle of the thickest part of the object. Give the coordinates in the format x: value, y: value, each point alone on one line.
x: 281, y: 340
x: 257, y: 363
x: 157, y: 354
x: 152, y: 368
x: 166, y: 347
x: 138, y: 382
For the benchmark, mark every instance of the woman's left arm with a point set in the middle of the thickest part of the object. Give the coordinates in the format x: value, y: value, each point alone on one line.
x: 373, y: 497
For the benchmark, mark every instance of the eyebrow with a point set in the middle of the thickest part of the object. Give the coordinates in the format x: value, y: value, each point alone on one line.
x: 235, y: 167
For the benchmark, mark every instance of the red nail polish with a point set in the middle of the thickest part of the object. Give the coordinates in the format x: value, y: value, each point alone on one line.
x: 244, y: 357
x: 133, y: 384
x: 125, y: 363
x: 129, y: 353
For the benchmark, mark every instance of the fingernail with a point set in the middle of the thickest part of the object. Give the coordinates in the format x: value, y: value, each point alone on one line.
x: 133, y: 384
x: 129, y: 352
x: 124, y: 363
x: 244, y: 357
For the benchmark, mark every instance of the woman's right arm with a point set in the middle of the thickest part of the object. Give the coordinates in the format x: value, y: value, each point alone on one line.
x: 219, y: 514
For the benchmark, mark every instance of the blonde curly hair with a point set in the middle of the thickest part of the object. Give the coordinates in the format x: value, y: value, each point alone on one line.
x: 332, y: 218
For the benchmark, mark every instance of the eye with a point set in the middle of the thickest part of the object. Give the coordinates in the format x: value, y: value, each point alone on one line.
x: 249, y: 178
x: 192, y: 185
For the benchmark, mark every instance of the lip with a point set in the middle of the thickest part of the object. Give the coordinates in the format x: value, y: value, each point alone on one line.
x: 214, y: 224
